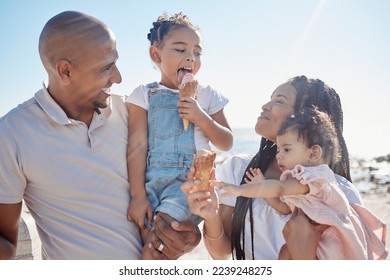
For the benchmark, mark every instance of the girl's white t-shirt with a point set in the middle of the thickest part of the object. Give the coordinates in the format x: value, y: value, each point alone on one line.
x: 210, y: 100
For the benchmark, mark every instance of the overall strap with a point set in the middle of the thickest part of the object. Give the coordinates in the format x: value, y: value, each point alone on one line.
x: 152, y: 87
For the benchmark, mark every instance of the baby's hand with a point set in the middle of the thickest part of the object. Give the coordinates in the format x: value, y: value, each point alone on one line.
x: 229, y: 190
x: 254, y: 175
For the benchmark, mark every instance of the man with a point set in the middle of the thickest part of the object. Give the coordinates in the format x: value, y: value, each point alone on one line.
x: 64, y: 152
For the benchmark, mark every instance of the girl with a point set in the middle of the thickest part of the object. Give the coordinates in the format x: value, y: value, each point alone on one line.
x: 160, y: 151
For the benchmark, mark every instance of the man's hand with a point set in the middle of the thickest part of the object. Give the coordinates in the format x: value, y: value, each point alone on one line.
x: 178, y: 238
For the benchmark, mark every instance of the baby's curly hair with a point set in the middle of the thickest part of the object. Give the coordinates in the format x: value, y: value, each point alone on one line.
x: 165, y: 24
x: 315, y: 128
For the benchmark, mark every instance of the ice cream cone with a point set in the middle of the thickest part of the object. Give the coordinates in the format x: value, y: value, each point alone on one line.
x: 204, y: 164
x: 188, y: 87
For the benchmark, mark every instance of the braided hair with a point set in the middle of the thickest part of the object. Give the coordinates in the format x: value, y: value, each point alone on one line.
x: 310, y: 92
x: 165, y: 24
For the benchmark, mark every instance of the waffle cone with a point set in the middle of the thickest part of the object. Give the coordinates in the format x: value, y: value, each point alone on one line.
x: 204, y: 164
x: 186, y: 123
x: 188, y: 89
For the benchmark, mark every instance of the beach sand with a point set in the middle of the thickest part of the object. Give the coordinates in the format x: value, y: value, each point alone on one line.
x: 377, y: 203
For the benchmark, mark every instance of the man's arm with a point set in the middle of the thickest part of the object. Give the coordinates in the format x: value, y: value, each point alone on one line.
x: 9, y: 228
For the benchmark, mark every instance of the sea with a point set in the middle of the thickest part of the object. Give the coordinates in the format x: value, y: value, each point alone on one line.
x: 367, y: 174
x: 246, y: 141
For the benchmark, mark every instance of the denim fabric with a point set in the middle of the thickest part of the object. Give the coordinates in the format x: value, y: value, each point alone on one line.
x: 170, y: 154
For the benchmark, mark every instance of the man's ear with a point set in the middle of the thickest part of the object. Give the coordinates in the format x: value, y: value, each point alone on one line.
x: 315, y: 153
x: 154, y: 53
x: 63, y: 70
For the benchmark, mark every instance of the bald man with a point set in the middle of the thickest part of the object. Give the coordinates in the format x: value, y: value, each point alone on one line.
x: 64, y: 153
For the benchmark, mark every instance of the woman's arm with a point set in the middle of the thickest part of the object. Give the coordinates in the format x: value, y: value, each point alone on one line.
x: 217, y: 218
x: 216, y: 234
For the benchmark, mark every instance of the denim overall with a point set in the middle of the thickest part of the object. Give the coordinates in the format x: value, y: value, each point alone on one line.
x: 170, y: 154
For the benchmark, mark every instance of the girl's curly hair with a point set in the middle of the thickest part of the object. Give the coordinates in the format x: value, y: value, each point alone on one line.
x: 166, y: 24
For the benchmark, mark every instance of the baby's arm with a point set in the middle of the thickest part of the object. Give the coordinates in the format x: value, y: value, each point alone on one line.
x: 263, y: 189
x: 278, y: 205
x: 255, y: 175
x: 136, y: 165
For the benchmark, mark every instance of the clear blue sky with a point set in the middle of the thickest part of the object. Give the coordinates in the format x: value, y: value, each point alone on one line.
x: 250, y: 47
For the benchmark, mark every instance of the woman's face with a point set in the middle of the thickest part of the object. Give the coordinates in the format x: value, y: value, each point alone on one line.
x: 276, y: 111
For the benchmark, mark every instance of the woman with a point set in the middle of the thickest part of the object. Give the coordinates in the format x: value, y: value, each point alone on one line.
x: 250, y: 228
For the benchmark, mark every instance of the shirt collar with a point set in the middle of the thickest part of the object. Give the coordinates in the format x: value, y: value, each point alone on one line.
x: 57, y: 114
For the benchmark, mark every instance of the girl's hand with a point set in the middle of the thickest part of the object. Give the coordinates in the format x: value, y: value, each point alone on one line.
x: 254, y: 175
x: 189, y: 109
x: 140, y: 208
x: 228, y: 190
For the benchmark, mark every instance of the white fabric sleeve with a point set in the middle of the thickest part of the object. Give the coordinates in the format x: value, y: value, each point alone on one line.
x: 12, y: 179
x: 139, y: 97
x: 217, y: 100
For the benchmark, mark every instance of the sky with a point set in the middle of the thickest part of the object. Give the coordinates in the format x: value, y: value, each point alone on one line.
x: 250, y: 48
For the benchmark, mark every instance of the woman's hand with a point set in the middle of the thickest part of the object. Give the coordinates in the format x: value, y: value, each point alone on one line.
x: 203, y: 204
x: 302, y: 236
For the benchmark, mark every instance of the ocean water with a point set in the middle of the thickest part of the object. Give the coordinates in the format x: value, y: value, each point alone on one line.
x: 245, y: 141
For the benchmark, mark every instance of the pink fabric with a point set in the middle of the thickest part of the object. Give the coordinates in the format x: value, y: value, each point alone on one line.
x: 354, y: 232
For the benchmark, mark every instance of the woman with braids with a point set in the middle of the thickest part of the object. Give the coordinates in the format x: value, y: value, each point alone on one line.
x: 161, y: 148
x: 248, y: 228
x: 306, y: 146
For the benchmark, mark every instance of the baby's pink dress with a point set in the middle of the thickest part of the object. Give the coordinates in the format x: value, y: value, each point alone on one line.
x: 354, y: 232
